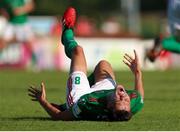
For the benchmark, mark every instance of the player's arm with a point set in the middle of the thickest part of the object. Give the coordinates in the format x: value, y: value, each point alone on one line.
x: 61, y: 107
x: 27, y: 8
x: 54, y: 112
x: 134, y: 65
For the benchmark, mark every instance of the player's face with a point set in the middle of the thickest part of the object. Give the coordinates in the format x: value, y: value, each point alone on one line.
x: 122, y: 99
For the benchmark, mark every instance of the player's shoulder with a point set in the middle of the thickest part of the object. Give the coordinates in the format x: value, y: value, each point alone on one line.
x: 137, y: 102
x: 135, y: 95
x: 132, y: 92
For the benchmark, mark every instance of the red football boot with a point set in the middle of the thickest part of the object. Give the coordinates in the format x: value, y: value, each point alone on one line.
x: 69, y: 17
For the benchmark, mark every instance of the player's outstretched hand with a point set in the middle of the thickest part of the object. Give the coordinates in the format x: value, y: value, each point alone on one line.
x: 132, y: 63
x: 37, y: 95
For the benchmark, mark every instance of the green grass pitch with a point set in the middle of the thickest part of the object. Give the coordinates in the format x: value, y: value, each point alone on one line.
x: 17, y: 112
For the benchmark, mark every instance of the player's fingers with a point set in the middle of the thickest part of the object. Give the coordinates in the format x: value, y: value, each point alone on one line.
x: 32, y: 86
x: 32, y: 91
x: 43, y: 87
x: 127, y: 58
x: 135, y: 54
x: 36, y: 90
x: 127, y: 63
x: 34, y: 99
x: 32, y: 95
x: 130, y: 57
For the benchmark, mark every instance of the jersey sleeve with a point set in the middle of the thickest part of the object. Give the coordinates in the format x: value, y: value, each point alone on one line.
x: 137, y: 101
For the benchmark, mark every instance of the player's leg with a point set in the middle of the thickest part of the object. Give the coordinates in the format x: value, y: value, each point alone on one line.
x: 103, y: 70
x: 77, y: 84
x: 67, y: 37
x: 103, y: 77
x: 78, y: 61
x: 72, y: 49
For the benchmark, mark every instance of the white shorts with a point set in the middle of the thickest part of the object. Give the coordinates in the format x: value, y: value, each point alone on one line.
x: 78, y: 85
x: 21, y: 32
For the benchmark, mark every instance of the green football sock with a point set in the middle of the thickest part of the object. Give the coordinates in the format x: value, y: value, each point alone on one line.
x: 68, y: 41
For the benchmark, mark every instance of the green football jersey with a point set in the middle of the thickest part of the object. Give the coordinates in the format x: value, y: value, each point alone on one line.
x: 10, y: 5
x: 93, y: 105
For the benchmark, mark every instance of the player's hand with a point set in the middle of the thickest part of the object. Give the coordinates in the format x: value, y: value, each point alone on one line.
x: 132, y: 63
x: 37, y: 95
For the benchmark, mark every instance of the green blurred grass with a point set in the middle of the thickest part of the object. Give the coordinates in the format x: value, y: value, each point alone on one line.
x: 17, y: 112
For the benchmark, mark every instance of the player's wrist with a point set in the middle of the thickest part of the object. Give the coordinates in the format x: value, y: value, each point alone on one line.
x: 138, y: 73
x: 42, y: 101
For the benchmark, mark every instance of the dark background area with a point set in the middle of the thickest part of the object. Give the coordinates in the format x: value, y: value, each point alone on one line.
x: 93, y: 7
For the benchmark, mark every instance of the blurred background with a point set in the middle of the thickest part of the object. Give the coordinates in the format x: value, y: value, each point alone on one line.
x: 106, y: 29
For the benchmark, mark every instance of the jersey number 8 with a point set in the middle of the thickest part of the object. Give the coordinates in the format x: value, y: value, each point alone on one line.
x: 77, y: 80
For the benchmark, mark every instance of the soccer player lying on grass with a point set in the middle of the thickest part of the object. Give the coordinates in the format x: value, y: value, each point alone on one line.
x: 171, y: 43
x: 98, y: 98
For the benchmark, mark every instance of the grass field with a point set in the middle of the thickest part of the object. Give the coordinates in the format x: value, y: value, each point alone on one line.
x: 17, y: 112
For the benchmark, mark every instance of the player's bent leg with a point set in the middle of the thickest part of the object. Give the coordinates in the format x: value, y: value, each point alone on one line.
x: 171, y: 44
x: 78, y: 61
x: 103, y: 70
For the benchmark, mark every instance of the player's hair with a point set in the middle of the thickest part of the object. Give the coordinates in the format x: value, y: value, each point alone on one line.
x: 122, y: 115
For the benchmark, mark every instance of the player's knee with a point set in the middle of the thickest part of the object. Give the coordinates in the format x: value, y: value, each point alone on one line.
x: 103, y: 63
x: 103, y: 70
x: 102, y: 66
x: 78, y: 50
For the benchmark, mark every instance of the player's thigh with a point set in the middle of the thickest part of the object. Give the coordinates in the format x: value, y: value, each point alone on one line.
x: 103, y: 70
x: 77, y: 85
